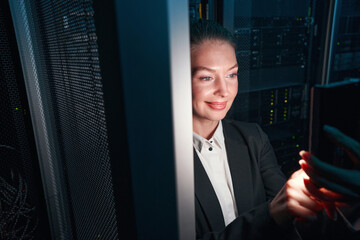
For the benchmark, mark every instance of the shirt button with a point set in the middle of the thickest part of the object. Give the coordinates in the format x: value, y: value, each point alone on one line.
x: 210, y: 148
x: 210, y: 141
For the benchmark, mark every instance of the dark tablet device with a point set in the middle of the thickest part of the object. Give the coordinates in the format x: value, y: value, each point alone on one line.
x: 338, y: 105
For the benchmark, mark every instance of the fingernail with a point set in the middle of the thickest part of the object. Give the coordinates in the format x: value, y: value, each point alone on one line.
x: 304, y: 166
x: 306, y: 181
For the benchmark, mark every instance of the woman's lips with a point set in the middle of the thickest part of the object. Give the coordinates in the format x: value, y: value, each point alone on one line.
x: 217, y: 105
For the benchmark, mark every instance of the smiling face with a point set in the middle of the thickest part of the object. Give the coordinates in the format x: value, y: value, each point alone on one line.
x: 214, y: 80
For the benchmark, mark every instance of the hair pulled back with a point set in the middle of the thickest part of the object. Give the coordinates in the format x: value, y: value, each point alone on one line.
x: 203, y: 30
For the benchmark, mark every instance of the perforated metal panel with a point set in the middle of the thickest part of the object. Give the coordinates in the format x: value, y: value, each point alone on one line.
x: 21, y: 199
x: 71, y: 55
x: 65, y: 79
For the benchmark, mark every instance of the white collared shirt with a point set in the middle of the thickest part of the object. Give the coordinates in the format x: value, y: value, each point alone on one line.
x: 212, y: 154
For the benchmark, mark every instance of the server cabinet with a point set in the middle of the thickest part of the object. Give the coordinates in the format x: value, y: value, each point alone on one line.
x: 341, y: 57
x: 106, y: 97
x: 22, y: 204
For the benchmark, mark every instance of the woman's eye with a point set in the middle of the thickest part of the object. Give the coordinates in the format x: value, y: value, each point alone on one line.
x: 233, y: 75
x: 206, y: 78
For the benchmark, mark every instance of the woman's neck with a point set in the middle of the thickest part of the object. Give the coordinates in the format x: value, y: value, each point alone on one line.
x: 205, y: 128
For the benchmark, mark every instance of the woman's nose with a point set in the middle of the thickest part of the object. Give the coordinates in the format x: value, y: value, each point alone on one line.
x: 221, y: 87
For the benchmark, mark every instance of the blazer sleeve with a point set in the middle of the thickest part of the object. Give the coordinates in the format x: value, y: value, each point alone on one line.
x: 272, y: 176
x: 257, y: 223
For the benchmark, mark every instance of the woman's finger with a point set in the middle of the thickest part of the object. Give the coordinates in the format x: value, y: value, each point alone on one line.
x: 330, y: 185
x: 300, y: 211
x: 315, y: 192
x: 349, y: 179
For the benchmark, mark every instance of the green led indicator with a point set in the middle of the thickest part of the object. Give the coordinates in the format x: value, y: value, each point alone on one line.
x: 271, y: 110
x: 98, y: 235
x: 293, y: 137
x: 297, y: 145
x: 338, y: 43
x: 16, y: 109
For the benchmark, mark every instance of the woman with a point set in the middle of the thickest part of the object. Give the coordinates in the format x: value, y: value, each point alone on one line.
x: 240, y: 190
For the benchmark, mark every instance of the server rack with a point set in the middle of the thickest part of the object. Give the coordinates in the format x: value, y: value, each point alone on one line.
x: 342, y: 40
x: 22, y: 204
x: 114, y: 159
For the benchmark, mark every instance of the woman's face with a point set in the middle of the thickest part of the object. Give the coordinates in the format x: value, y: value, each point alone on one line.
x: 214, y: 80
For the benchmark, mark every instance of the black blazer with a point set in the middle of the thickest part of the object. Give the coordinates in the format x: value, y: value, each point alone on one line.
x: 256, y: 179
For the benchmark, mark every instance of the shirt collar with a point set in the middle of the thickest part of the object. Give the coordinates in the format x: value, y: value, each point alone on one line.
x: 219, y: 135
x: 218, y: 138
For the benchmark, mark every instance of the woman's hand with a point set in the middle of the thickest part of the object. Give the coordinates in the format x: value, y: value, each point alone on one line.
x: 340, y: 180
x: 294, y: 201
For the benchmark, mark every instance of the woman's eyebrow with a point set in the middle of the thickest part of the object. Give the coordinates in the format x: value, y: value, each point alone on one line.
x: 201, y: 68
x: 235, y: 66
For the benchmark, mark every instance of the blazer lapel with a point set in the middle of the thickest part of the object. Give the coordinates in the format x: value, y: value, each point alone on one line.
x: 240, y: 168
x: 206, y: 195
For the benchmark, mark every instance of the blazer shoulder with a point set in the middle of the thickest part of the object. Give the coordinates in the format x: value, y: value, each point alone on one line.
x: 239, y: 124
x: 246, y: 129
